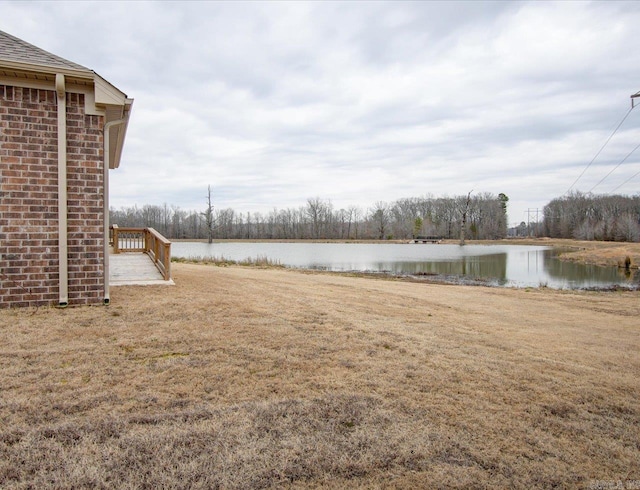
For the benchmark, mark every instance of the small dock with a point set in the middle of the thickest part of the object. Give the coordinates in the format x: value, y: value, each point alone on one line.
x: 427, y: 239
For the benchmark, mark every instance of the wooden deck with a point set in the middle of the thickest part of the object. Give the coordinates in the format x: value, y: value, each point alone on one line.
x: 138, y: 256
x: 134, y: 268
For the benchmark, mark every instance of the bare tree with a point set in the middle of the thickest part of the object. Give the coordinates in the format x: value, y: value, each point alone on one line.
x: 628, y: 229
x: 319, y: 213
x: 576, y: 215
x: 208, y: 215
x: 464, y: 208
x: 380, y: 218
x: 355, y: 214
x: 178, y: 219
x: 593, y: 217
x: 314, y: 212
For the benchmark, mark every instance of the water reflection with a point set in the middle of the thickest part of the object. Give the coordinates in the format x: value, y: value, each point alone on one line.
x: 492, y: 267
x: 507, y: 265
x: 573, y: 275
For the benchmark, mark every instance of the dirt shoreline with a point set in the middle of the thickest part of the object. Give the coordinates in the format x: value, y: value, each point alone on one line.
x: 244, y: 377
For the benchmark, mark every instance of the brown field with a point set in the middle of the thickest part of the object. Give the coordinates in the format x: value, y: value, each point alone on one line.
x: 243, y: 377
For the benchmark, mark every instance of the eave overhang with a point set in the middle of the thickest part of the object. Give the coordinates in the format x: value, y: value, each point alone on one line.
x: 101, y: 97
x: 118, y: 132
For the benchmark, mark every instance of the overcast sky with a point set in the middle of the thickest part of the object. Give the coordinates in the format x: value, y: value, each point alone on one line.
x: 357, y: 102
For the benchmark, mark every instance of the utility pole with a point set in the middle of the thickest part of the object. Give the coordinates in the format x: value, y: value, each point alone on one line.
x: 529, y: 211
x: 635, y: 99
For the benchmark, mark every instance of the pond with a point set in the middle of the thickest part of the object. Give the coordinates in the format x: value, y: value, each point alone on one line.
x: 501, y: 265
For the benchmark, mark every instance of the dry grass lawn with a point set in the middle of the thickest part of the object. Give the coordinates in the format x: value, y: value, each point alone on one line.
x: 258, y: 378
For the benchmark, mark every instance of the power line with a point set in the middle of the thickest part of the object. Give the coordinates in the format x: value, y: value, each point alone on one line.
x: 600, y: 150
x: 613, y: 169
x: 630, y: 178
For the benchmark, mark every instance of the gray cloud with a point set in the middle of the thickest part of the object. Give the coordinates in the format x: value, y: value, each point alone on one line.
x: 272, y: 103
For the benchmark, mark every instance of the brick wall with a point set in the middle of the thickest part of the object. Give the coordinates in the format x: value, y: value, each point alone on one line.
x: 85, y: 194
x: 29, y: 199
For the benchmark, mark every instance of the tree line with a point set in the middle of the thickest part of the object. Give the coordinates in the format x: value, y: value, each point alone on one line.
x: 593, y: 217
x: 474, y: 216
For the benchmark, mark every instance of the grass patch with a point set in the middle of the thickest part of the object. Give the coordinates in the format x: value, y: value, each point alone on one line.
x: 259, y: 261
x: 243, y: 377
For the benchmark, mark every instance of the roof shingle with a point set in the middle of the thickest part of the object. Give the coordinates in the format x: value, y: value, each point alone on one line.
x: 14, y: 49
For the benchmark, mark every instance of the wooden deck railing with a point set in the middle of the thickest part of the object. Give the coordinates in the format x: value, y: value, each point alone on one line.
x: 146, y: 240
x: 159, y: 249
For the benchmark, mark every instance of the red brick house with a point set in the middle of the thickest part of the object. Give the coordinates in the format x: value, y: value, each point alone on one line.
x: 62, y: 127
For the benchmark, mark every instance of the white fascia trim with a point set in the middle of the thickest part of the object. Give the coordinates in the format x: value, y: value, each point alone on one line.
x: 49, y: 70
